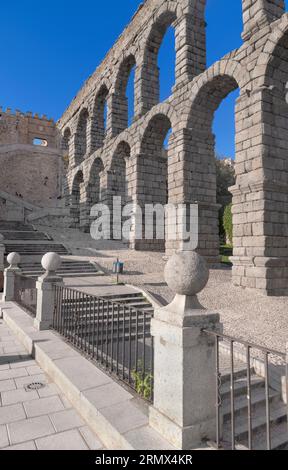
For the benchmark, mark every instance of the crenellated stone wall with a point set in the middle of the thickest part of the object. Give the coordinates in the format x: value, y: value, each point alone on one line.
x: 30, y: 158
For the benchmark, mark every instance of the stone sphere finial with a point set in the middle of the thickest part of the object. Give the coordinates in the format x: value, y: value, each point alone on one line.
x: 51, y: 262
x: 13, y: 259
x: 186, y: 273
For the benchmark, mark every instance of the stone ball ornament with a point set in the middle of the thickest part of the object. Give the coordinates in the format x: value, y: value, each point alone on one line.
x: 186, y: 273
x: 51, y: 262
x: 13, y: 259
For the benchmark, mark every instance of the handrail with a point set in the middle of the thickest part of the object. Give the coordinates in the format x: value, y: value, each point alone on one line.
x: 246, y: 343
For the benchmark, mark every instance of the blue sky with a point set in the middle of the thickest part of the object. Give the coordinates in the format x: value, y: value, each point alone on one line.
x: 49, y: 49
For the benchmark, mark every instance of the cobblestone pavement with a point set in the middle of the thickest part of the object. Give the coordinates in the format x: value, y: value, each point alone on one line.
x: 41, y: 419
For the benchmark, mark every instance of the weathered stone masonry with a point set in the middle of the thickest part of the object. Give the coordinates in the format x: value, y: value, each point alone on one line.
x: 186, y: 172
x: 30, y: 159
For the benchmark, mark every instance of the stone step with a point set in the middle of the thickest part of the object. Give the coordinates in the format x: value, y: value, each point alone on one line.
x: 65, y: 274
x: 15, y: 226
x: 67, y: 269
x: 278, y: 414
x: 78, y: 308
x: 129, y: 299
x: 23, y: 236
x: 279, y: 439
x: 38, y: 266
x: 240, y: 386
x: 35, y: 249
x: 241, y: 403
x: 119, y: 296
x: 238, y: 373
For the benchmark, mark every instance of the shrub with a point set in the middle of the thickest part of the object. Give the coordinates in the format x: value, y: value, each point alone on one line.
x: 228, y: 223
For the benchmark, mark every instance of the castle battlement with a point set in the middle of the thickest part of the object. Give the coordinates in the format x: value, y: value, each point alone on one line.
x: 28, y: 114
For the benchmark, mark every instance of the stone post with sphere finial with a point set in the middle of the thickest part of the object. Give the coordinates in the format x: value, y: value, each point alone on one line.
x: 184, y: 358
x: 9, y: 276
x: 45, y: 291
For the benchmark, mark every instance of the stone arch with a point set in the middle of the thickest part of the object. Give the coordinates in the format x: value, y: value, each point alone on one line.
x: 163, y: 109
x: 220, y: 79
x: 124, y: 137
x: 81, y: 137
x: 98, y: 125
x: 199, y: 163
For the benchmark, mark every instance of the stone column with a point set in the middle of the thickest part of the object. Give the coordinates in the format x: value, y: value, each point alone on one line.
x: 45, y: 291
x: 185, y: 171
x: 259, y: 13
x: 184, y: 358
x: 190, y: 44
x: 9, y: 276
x: 2, y: 251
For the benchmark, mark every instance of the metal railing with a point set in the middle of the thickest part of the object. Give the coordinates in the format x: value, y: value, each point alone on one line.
x: 244, y: 359
x: 114, y: 335
x: 25, y: 293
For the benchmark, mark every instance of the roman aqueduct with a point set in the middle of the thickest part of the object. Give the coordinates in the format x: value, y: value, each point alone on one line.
x: 107, y: 157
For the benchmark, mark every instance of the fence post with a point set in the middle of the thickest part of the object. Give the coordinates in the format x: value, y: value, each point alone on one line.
x: 45, y: 293
x: 2, y: 251
x: 184, y: 409
x: 9, y: 276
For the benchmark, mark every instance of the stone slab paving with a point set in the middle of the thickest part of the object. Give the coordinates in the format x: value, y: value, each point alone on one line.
x: 37, y: 419
x: 114, y: 413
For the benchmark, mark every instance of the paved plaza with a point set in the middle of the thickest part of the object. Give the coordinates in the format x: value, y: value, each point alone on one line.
x: 41, y: 419
x: 245, y: 313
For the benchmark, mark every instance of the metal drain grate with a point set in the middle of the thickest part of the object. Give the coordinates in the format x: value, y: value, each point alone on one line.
x: 34, y: 386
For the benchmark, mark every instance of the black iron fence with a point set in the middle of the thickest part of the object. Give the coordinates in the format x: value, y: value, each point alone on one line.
x: 25, y: 293
x: 114, y: 335
x: 251, y: 390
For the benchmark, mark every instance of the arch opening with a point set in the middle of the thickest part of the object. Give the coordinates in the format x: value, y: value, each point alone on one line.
x: 119, y: 183
x: 153, y: 181
x: 124, y: 94
x: 65, y: 146
x: 166, y: 64
x: 77, y: 198
x: 227, y: 20
x: 201, y: 165
x: 99, y: 119
x: 81, y: 137
x: 94, y: 195
x: 151, y: 71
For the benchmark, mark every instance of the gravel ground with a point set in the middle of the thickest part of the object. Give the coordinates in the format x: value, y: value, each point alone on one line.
x: 246, y: 314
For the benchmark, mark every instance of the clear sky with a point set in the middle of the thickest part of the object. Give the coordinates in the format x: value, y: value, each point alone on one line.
x: 48, y: 49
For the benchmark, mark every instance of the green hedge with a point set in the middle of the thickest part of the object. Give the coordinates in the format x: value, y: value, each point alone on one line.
x: 228, y: 223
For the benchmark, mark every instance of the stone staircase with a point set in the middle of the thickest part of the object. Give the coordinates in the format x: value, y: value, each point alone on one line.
x: 26, y: 241
x: 32, y: 245
x: 39, y: 249
x: 15, y: 226
x: 278, y: 412
x: 136, y: 301
x: 68, y: 268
